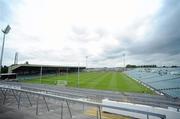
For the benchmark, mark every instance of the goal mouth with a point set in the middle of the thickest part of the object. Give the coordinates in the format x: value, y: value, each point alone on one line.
x: 62, y: 83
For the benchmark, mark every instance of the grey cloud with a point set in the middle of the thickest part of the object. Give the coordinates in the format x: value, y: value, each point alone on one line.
x: 101, y: 32
x: 163, y: 39
x: 79, y: 30
x: 165, y: 36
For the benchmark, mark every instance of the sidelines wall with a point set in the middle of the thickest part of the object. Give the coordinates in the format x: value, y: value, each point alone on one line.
x: 170, y: 112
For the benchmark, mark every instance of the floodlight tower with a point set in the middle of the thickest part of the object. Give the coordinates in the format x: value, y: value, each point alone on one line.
x: 5, y: 31
x: 16, y: 58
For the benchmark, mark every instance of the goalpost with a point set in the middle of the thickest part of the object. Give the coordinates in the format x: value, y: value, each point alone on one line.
x: 62, y: 83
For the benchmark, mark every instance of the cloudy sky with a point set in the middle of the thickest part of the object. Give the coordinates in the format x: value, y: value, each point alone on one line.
x: 64, y: 32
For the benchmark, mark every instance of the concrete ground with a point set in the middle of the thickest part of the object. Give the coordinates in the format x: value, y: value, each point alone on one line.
x: 10, y: 110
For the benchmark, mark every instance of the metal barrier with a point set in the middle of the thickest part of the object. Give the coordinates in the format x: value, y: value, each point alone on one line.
x: 13, y: 89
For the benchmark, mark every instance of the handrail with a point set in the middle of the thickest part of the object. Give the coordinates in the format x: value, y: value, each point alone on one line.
x: 8, y: 87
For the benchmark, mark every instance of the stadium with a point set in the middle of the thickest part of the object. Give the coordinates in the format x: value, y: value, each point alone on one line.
x: 95, y: 93
x: 99, y: 59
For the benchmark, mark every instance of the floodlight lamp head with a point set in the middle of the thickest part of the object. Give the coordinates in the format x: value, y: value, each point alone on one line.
x: 6, y: 30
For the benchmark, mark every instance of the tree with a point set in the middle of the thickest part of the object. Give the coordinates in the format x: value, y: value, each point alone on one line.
x: 26, y: 62
x: 4, y: 69
x: 130, y: 66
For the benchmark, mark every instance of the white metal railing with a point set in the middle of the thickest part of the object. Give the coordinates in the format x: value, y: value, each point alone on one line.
x: 5, y: 88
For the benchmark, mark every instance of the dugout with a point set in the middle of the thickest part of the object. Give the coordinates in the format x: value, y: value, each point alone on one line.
x: 8, y: 76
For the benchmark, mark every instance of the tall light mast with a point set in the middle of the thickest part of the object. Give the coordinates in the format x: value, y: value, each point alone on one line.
x: 5, y: 31
x: 16, y: 58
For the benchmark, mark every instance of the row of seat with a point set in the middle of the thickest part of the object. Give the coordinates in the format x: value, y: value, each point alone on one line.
x: 159, y: 78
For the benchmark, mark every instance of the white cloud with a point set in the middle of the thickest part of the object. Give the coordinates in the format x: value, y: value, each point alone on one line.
x: 65, y: 31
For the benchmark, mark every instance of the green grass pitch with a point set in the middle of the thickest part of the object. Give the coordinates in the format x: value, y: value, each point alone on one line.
x: 114, y: 81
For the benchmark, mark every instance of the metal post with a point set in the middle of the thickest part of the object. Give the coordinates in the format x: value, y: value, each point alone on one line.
x: 2, y: 51
x: 67, y: 74
x: 78, y: 75
x: 41, y: 74
x: 19, y: 101
x: 86, y: 62
x: 15, y: 96
x: 97, y: 115
x: 4, y: 94
x: 69, y: 109
x: 2, y: 91
x: 83, y: 107
x: 147, y: 116
x: 62, y: 110
x: 46, y: 103
x: 99, y: 112
x: 124, y: 60
x: 58, y: 72
x: 29, y: 99
x: 37, y: 102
